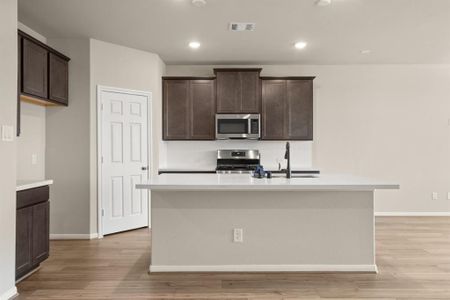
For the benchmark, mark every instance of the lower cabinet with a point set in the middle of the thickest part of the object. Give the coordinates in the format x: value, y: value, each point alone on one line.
x: 32, y: 229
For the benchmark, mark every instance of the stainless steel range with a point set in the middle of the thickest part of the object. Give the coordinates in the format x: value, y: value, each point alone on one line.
x: 237, y: 161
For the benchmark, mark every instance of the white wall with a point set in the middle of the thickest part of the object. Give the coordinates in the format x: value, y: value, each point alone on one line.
x: 32, y: 137
x: 123, y: 67
x: 71, y: 154
x: 8, y: 104
x: 67, y: 154
x: 384, y: 121
x: 31, y: 142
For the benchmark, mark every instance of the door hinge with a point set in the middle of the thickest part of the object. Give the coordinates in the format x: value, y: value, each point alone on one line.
x: 101, y: 106
x: 102, y: 159
x: 103, y: 212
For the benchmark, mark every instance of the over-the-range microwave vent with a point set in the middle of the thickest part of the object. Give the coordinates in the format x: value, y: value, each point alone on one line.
x: 240, y: 26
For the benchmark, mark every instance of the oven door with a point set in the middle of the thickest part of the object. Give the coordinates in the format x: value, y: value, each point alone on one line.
x: 235, y: 126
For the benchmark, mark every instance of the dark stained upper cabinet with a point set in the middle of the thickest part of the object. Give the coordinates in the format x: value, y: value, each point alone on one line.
x: 34, y: 69
x: 273, y: 109
x: 176, y: 109
x: 202, y: 108
x: 44, y: 72
x: 238, y: 90
x: 287, y: 108
x: 188, y: 109
x: 58, y: 79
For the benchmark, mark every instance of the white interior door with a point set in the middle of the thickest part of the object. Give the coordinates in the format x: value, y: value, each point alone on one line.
x: 124, y: 160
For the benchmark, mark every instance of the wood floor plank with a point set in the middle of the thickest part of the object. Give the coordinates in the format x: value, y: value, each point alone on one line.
x: 413, y: 257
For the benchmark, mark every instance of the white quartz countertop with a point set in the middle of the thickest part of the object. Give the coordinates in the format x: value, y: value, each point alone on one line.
x: 244, y: 182
x: 31, y: 184
x: 273, y: 168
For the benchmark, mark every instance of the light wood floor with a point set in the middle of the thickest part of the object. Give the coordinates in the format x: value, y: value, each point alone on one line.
x: 413, y: 256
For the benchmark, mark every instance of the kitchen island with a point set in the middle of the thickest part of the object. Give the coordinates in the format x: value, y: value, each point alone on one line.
x: 297, y: 224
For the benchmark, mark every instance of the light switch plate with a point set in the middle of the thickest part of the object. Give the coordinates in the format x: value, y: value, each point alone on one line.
x: 34, y: 159
x: 7, y: 133
x: 448, y: 196
x: 435, y: 196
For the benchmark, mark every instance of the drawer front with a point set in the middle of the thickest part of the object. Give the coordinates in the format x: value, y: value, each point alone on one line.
x: 32, y: 196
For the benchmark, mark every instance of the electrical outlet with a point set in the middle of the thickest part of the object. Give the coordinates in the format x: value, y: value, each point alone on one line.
x: 435, y: 196
x: 34, y: 159
x: 238, y: 235
x: 448, y: 196
x: 7, y: 133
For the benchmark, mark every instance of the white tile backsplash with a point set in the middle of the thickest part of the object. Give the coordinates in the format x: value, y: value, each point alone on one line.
x: 202, y: 154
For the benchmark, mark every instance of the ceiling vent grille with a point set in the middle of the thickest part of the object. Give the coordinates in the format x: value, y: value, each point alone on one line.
x: 242, y: 26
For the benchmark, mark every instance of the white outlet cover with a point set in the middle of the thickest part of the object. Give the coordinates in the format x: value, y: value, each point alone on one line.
x: 448, y: 196
x: 34, y: 159
x: 238, y: 235
x: 7, y: 133
x: 435, y: 196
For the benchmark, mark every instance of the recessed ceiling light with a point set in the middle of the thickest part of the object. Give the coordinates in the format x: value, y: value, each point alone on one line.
x: 323, y: 2
x: 300, y: 45
x: 194, y: 45
x: 199, y: 3
x: 365, y: 51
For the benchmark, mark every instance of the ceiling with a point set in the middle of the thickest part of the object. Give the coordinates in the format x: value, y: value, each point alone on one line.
x: 395, y: 31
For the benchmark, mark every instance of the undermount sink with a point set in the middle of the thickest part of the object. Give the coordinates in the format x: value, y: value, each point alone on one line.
x: 281, y: 175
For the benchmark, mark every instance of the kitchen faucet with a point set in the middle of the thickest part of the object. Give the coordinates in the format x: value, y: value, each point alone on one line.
x: 287, y: 156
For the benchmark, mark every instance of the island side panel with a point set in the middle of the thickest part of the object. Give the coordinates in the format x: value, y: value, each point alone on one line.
x: 311, y: 231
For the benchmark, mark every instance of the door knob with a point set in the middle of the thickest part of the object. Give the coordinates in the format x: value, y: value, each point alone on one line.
x: 144, y: 168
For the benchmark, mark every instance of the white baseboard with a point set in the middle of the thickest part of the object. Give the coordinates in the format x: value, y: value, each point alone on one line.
x: 412, y: 214
x: 266, y: 268
x: 62, y: 236
x: 11, y: 293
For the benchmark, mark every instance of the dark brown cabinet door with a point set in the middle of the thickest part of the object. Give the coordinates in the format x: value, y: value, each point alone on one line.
x: 273, y: 109
x: 250, y: 92
x: 287, y: 109
x: 188, y: 109
x: 300, y: 109
x: 228, y: 92
x: 40, y: 236
x: 176, y: 109
x: 238, y: 90
x: 24, y: 229
x: 58, y: 79
x: 202, y: 106
x: 34, y: 69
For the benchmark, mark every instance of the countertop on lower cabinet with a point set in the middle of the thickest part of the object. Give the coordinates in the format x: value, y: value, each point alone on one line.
x: 31, y: 184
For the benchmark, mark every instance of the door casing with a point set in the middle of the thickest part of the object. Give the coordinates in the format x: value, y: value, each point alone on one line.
x: 100, y: 89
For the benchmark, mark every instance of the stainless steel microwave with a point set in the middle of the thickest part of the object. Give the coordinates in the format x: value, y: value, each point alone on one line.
x: 238, y: 126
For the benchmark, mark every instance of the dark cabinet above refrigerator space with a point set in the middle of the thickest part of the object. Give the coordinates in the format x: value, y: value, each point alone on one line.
x: 43, y: 72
